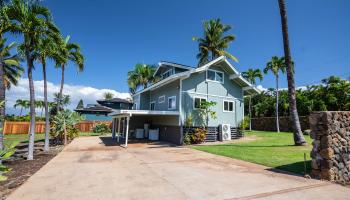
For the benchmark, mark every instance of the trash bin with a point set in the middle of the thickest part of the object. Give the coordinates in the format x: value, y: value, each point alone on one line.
x: 153, y: 134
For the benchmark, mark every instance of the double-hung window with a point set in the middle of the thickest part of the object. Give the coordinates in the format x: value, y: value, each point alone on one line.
x: 152, y: 105
x: 172, y: 103
x: 216, y: 76
x: 198, y: 102
x: 228, y: 106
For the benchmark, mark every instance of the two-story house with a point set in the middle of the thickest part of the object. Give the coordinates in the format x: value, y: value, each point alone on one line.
x: 167, y: 104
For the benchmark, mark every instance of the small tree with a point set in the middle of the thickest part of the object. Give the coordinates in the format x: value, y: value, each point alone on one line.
x: 63, y: 125
x: 206, y: 111
x: 80, y: 104
x: 108, y: 95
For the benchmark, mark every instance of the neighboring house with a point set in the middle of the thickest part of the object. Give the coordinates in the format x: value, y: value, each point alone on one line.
x: 100, y: 111
x: 167, y: 104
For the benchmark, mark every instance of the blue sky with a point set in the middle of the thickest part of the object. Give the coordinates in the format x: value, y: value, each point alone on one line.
x: 115, y: 35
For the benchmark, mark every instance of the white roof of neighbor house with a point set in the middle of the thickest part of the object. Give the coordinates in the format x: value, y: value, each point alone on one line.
x: 143, y: 112
x: 237, y: 77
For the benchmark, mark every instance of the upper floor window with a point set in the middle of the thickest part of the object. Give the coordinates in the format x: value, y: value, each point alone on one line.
x: 214, y: 75
x: 228, y: 106
x: 152, y: 105
x: 161, y: 99
x: 198, y: 102
x: 168, y: 73
x: 172, y: 103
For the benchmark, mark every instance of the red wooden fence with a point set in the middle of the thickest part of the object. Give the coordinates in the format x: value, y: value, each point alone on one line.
x: 23, y: 127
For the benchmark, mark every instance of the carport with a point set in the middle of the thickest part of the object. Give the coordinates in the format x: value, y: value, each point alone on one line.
x: 126, y: 121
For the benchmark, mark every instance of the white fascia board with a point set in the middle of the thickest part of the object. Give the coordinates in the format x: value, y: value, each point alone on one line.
x: 155, y: 72
x: 142, y: 112
x: 231, y: 66
x: 206, y: 66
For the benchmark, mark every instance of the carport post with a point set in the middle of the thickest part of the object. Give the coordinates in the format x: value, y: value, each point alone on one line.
x: 118, y: 129
x: 127, y: 131
x: 113, y: 128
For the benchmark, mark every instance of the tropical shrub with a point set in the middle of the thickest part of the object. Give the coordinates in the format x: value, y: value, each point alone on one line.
x: 198, y: 136
x: 25, y: 118
x: 243, y: 125
x: 62, y: 126
x: 5, y: 153
x: 187, y: 139
x: 101, y: 128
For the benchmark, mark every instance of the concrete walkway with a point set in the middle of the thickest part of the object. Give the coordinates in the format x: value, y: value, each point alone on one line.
x: 93, y: 168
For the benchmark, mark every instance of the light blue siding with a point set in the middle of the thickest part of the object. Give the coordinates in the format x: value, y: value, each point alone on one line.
x: 169, y: 90
x: 197, y: 86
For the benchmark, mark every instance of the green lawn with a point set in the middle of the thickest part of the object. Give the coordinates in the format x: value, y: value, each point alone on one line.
x: 11, y: 138
x: 271, y: 149
x: 81, y: 134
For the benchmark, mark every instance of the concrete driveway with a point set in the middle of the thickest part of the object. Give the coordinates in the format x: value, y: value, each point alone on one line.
x: 93, y: 168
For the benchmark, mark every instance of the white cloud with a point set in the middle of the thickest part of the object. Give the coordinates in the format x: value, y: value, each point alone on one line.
x: 76, y: 92
x: 261, y: 88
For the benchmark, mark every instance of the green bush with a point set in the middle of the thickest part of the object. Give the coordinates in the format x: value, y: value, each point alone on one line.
x: 101, y: 128
x: 187, y: 139
x: 244, y: 123
x: 5, y: 153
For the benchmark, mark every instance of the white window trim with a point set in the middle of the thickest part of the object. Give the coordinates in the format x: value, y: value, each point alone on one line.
x: 194, y: 101
x: 175, y: 102
x: 150, y: 105
x: 163, y: 97
x: 172, y: 70
x: 216, y: 71
x: 223, y: 106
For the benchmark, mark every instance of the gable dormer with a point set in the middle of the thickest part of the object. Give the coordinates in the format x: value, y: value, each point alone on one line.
x: 166, y: 69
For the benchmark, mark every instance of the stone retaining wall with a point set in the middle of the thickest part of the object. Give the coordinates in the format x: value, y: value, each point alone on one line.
x: 269, y: 123
x: 331, y: 146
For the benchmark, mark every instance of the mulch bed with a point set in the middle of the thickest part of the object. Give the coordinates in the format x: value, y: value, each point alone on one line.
x: 22, y: 169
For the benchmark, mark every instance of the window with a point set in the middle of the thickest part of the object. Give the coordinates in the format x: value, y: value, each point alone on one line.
x: 161, y: 99
x: 214, y: 75
x: 172, y: 103
x: 197, y: 102
x: 168, y: 73
x: 152, y: 105
x: 228, y: 106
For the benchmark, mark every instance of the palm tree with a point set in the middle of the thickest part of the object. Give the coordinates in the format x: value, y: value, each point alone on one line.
x: 275, y: 65
x: 62, y: 100
x: 70, y: 52
x: 32, y: 21
x: 298, y: 135
x: 24, y: 104
x: 214, y: 42
x: 41, y: 105
x: 108, y: 95
x: 251, y: 75
x: 48, y: 48
x: 141, y: 75
x: 10, y: 72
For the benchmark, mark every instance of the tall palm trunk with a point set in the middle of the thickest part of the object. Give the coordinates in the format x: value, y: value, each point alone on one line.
x: 298, y: 135
x: 61, y: 88
x: 31, y: 107
x: 250, y: 113
x: 277, y: 101
x: 2, y: 108
x: 47, y: 122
